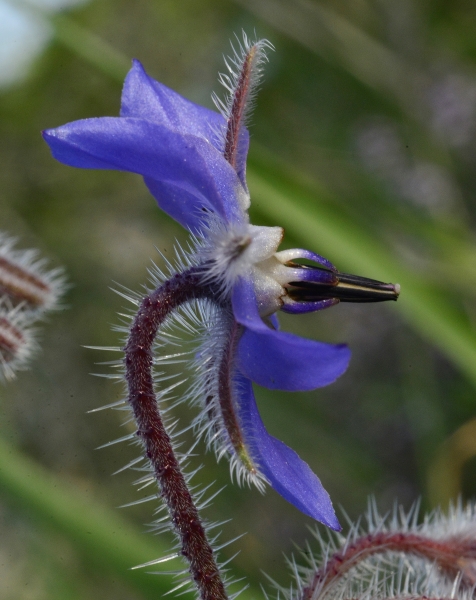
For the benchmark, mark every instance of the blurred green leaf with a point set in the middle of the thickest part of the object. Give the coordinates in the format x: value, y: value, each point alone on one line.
x: 327, y: 33
x: 90, y: 47
x: 103, y: 538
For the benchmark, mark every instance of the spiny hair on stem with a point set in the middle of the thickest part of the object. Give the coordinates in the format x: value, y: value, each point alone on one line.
x: 222, y: 250
x: 189, y: 321
x: 200, y: 332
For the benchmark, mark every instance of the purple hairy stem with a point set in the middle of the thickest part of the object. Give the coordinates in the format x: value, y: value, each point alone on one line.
x: 454, y: 556
x: 231, y: 419
x: 239, y: 103
x: 182, y: 287
x: 225, y: 392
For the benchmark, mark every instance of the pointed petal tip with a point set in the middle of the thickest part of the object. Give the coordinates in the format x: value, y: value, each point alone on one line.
x: 285, y: 471
x: 318, y: 505
x: 51, y: 138
x: 136, y: 65
x: 331, y: 521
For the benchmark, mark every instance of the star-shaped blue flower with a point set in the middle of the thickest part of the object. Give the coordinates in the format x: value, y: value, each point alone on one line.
x: 193, y: 161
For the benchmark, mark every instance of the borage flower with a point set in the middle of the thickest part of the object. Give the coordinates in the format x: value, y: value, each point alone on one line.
x: 193, y: 162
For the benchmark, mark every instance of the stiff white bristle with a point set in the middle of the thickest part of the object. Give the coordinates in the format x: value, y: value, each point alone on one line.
x: 255, y: 52
x: 17, y: 339
x: 25, y: 280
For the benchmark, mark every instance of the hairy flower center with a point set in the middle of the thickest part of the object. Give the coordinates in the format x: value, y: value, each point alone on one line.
x: 244, y: 250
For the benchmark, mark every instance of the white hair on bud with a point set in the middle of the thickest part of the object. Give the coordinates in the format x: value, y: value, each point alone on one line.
x: 235, y: 64
x: 340, y: 571
x: 17, y: 340
x: 24, y: 279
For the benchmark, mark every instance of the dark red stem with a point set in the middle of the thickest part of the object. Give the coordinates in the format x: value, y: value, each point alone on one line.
x: 153, y: 310
x: 453, y: 556
x: 238, y: 108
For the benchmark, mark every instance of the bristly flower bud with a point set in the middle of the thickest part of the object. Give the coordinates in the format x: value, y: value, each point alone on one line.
x: 16, y: 341
x: 393, y: 557
x: 27, y: 291
x: 241, y: 84
x: 24, y: 279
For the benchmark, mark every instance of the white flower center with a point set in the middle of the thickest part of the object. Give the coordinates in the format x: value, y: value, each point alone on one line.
x: 244, y: 250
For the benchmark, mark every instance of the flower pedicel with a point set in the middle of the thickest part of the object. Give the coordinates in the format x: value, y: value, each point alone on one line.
x: 192, y: 160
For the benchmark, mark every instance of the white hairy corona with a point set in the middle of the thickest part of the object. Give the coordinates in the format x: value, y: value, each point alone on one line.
x: 229, y: 251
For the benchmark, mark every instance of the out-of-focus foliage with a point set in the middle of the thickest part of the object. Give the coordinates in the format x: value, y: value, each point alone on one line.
x: 364, y: 147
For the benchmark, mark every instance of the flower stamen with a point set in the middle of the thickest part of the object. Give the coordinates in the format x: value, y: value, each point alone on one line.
x: 342, y: 287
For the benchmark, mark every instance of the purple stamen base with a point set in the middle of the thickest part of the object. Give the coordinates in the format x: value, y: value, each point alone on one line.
x: 299, y: 308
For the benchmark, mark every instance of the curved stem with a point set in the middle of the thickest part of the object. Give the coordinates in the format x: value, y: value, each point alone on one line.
x: 181, y: 288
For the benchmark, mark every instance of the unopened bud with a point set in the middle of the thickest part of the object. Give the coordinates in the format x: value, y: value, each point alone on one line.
x: 24, y: 279
x: 16, y: 342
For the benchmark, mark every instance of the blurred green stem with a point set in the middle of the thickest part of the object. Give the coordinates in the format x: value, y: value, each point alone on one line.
x: 90, y: 47
x: 105, y: 541
x: 445, y: 472
x: 326, y: 33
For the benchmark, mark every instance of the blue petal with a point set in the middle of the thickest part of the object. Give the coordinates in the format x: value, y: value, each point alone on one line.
x: 288, y: 474
x: 273, y: 319
x: 145, y: 98
x: 179, y: 202
x: 279, y: 360
x: 194, y: 175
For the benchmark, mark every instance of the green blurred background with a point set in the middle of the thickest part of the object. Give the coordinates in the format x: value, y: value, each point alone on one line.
x: 363, y: 148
